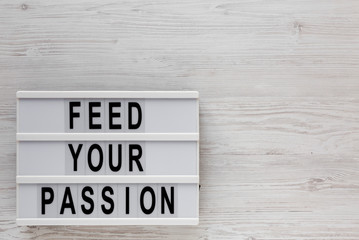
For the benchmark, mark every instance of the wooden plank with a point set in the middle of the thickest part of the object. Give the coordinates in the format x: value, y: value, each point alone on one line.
x: 296, y: 48
x: 277, y: 126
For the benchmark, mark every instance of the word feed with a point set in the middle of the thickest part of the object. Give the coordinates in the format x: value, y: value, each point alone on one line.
x: 95, y: 115
x: 119, y: 158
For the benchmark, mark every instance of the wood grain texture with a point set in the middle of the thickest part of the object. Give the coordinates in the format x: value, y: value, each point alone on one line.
x: 279, y: 94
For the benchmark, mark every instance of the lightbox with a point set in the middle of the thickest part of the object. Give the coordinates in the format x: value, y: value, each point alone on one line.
x: 107, y: 158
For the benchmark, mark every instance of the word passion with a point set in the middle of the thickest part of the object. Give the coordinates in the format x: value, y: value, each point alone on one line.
x: 146, y: 202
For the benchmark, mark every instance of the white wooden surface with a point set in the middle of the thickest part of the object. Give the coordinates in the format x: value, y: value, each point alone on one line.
x: 279, y: 95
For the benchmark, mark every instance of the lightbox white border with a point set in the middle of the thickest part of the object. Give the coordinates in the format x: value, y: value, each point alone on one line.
x: 109, y: 136
x: 106, y: 221
x: 108, y: 94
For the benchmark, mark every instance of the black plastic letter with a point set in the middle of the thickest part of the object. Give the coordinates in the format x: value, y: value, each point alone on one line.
x: 107, y: 199
x: 93, y: 114
x: 88, y: 200
x: 153, y: 204
x: 45, y: 201
x: 127, y: 200
x: 164, y: 198
x: 135, y: 158
x: 89, y: 158
x: 72, y: 113
x: 138, y: 107
x: 75, y: 155
x: 119, y: 163
x: 65, y: 204
x: 112, y: 115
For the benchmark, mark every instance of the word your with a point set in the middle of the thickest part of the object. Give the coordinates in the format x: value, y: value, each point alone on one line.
x: 95, y: 156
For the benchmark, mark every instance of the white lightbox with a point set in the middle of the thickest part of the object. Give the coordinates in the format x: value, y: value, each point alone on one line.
x: 107, y: 158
